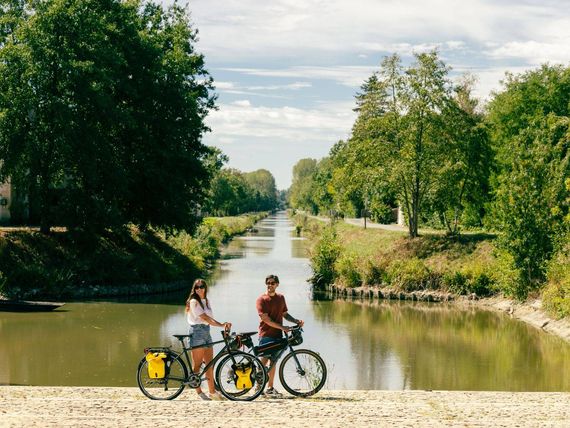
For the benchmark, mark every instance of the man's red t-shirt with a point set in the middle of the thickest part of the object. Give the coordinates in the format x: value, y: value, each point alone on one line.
x: 275, y: 307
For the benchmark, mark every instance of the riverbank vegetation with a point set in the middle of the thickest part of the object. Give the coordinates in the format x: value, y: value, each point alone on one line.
x: 67, y: 264
x: 425, y: 144
x: 353, y: 257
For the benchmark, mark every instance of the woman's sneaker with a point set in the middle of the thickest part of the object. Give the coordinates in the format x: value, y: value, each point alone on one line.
x: 216, y: 396
x: 203, y: 396
x: 272, y: 393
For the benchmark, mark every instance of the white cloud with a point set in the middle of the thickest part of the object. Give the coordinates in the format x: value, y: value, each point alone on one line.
x: 349, y: 75
x: 224, y: 85
x: 534, y: 52
x: 242, y: 103
x: 246, y: 29
x: 407, y: 49
x: 242, y: 119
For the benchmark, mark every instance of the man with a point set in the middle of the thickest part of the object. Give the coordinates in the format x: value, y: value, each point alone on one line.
x: 272, y: 309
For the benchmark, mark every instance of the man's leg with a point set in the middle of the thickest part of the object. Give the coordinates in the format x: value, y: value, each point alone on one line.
x: 271, y: 372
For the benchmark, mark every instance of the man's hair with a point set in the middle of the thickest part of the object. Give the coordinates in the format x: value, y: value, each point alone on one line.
x: 274, y: 277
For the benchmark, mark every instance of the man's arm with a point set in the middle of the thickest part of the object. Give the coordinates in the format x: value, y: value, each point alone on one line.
x: 292, y: 319
x: 267, y: 320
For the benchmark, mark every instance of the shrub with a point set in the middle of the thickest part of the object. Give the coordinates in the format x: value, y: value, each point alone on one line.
x: 412, y: 274
x: 473, y: 278
x: 507, y: 277
x: 323, y: 257
x: 375, y: 273
x: 348, y: 271
x: 455, y: 282
x: 556, y: 295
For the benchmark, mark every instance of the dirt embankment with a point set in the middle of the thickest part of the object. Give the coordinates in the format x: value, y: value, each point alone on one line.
x: 530, y: 312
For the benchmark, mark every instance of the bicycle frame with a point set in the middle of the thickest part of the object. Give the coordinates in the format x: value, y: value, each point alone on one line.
x: 280, y: 353
x: 225, y: 350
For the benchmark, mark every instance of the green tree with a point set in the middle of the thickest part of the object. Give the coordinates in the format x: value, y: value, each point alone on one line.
x: 531, y: 198
x: 263, y: 186
x: 230, y: 193
x: 101, y: 113
x: 405, y: 142
x: 463, y: 190
x: 301, y: 188
x: 530, y: 128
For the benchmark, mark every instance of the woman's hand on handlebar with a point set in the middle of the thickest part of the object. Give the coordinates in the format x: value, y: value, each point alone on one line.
x: 227, y: 326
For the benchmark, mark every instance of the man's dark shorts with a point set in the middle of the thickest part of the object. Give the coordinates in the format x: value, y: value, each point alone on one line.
x: 267, y: 340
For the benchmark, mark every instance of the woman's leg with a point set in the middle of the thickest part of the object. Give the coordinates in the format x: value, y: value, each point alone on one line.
x: 208, y: 356
x: 197, y: 358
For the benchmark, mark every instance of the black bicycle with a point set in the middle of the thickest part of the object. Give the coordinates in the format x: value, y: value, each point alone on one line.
x: 302, y: 372
x: 164, y: 373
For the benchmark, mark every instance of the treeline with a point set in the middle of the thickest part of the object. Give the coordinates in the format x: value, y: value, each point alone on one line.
x: 425, y: 144
x: 102, y: 108
x: 234, y: 192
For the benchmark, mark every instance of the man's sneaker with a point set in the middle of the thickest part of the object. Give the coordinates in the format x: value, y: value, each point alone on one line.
x: 272, y: 393
x: 216, y: 396
x: 203, y: 396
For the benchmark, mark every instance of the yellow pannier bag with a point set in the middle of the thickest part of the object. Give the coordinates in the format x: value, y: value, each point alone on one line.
x: 155, y: 364
x: 243, y: 377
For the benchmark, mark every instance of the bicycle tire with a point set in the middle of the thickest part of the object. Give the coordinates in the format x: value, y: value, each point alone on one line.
x: 160, y: 389
x: 226, y: 380
x: 310, y: 380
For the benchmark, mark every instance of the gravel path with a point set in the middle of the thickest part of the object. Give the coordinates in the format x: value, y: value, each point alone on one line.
x: 126, y: 407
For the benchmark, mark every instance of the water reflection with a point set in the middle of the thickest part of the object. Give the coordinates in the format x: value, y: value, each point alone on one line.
x: 429, y: 346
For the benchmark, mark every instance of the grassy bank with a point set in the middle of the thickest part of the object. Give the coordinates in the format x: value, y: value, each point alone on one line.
x: 69, y: 264
x: 470, y: 264
x: 352, y: 256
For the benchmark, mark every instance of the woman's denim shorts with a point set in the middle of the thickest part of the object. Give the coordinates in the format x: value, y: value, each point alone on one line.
x: 200, y: 335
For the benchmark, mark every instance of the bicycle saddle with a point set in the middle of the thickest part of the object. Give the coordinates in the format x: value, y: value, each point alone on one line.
x: 247, y: 334
x: 181, y: 336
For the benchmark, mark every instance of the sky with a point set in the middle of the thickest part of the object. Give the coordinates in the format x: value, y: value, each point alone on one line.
x: 286, y: 71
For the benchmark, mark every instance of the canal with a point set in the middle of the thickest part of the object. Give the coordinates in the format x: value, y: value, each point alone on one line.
x: 366, y: 345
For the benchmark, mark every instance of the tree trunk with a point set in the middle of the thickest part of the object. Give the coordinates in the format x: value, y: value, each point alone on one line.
x: 45, y: 221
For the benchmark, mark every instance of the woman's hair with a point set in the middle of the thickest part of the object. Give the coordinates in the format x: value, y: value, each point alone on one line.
x: 194, y: 294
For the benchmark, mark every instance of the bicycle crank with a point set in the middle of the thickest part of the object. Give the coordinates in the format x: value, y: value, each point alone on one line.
x: 194, y: 381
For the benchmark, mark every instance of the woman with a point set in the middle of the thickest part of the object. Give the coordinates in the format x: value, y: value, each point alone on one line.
x: 200, y: 317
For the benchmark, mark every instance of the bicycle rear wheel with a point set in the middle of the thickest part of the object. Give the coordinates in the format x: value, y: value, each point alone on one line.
x: 306, y: 377
x: 226, y: 376
x: 167, y: 388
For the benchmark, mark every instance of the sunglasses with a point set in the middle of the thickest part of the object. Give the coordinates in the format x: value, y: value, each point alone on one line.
x: 271, y: 283
x: 203, y: 287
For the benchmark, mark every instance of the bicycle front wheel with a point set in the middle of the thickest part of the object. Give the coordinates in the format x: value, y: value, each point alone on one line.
x: 167, y: 388
x: 303, y: 372
x: 226, y: 377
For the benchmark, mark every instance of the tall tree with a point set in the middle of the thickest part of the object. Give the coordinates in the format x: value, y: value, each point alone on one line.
x: 101, y: 113
x: 531, y: 133
x: 409, y: 143
x: 463, y: 189
x: 300, y: 193
x: 262, y: 183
